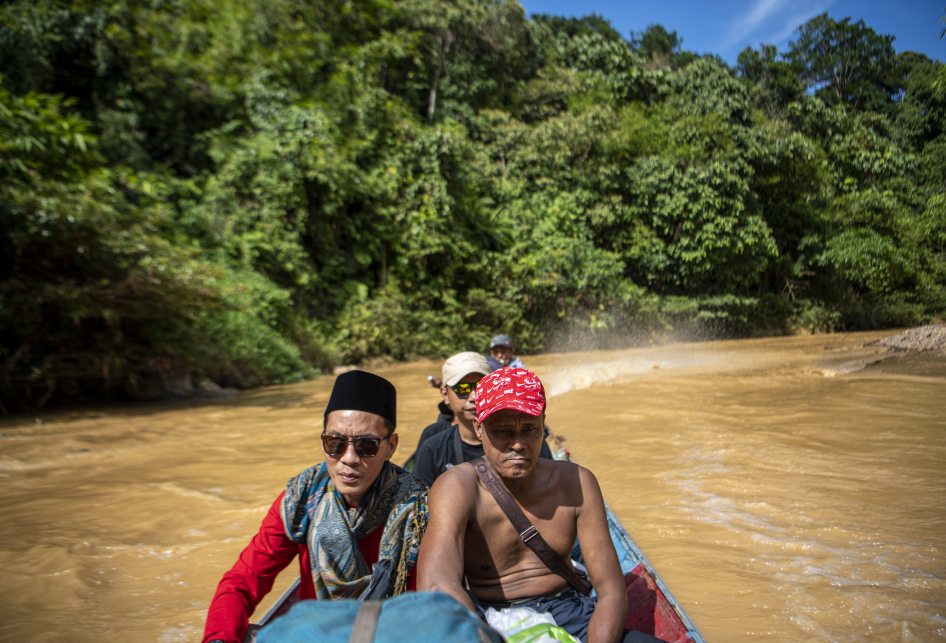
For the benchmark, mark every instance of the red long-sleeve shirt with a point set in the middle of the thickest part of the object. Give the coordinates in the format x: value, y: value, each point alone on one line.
x: 252, y: 577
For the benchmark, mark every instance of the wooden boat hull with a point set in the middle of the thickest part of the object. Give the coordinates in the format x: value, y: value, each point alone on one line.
x: 651, y: 608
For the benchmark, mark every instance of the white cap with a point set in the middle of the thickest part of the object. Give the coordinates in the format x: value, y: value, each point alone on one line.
x: 461, y: 365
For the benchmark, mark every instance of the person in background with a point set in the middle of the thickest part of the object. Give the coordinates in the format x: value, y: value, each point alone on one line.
x: 352, y: 516
x: 446, y: 445
x: 445, y: 414
x: 502, y: 353
x: 467, y: 367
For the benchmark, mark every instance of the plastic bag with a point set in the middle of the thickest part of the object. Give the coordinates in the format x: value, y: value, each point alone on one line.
x: 525, y: 625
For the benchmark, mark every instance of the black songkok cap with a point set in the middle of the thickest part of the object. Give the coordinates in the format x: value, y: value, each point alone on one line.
x: 362, y: 391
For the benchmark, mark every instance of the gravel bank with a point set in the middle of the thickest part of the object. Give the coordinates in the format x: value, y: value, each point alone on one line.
x: 924, y: 338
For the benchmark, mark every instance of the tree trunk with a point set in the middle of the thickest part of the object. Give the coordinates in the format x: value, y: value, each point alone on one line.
x: 432, y: 101
x: 444, y: 40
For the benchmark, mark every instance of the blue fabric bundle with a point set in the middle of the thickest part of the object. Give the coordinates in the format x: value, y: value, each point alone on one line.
x: 414, y: 617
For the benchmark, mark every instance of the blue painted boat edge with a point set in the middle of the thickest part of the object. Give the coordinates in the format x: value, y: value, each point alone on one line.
x: 631, y: 550
x: 618, y: 530
x: 279, y: 606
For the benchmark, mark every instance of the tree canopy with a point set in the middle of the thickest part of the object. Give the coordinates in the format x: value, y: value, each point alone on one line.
x: 256, y: 191
x: 844, y: 62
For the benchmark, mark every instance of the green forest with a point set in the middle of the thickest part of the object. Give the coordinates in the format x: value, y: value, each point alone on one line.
x: 253, y: 191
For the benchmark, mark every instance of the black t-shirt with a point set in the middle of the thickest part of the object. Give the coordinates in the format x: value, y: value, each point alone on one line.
x: 436, y: 428
x: 437, y: 454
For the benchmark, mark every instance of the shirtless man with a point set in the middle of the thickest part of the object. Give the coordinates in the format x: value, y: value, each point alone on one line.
x: 470, y: 544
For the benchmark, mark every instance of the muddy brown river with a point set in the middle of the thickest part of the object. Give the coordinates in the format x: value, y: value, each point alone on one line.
x: 783, y: 491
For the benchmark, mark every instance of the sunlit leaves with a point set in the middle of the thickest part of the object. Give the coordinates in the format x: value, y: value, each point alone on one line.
x: 846, y: 63
x: 248, y: 188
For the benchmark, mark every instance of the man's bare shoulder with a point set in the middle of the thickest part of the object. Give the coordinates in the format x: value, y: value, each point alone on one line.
x: 558, y: 465
x: 570, y: 469
x: 585, y: 476
x: 455, y: 485
x: 565, y: 471
x: 569, y: 480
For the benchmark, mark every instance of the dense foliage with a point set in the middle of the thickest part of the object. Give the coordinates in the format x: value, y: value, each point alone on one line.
x: 252, y: 191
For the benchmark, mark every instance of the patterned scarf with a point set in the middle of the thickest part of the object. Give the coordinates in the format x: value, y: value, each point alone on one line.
x: 315, y: 513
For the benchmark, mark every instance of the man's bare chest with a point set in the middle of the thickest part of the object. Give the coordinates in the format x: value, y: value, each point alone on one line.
x: 490, y: 533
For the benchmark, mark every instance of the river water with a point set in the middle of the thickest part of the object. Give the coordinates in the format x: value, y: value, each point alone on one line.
x: 782, y: 490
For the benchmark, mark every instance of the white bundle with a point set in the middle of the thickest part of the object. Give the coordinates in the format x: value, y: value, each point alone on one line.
x: 525, y: 625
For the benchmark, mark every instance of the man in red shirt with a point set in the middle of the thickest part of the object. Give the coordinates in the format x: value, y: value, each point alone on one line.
x: 355, y: 520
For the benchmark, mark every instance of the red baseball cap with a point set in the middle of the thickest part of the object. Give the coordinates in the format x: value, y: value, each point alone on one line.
x: 518, y: 389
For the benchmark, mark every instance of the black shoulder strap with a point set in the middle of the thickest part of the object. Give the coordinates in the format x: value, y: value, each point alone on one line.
x: 457, y: 445
x: 527, y: 531
x: 380, y: 581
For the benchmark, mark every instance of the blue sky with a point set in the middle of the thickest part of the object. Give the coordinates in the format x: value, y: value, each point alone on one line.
x: 726, y: 27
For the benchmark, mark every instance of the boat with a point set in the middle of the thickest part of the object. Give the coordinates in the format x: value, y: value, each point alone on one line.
x: 652, y: 609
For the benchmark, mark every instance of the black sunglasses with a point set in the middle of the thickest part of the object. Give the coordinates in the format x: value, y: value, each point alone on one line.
x: 463, y: 389
x: 336, y: 445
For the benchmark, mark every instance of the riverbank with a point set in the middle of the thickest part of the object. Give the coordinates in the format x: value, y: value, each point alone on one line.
x: 177, y: 386
x: 923, y: 338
